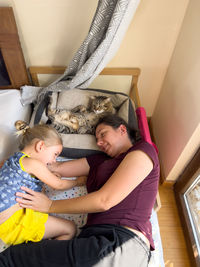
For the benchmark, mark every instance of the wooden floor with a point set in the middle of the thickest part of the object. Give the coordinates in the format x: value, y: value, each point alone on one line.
x: 174, y: 246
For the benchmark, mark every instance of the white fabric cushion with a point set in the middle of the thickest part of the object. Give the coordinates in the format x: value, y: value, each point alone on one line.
x: 11, y: 110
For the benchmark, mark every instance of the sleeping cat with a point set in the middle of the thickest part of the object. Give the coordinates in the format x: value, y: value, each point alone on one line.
x: 80, y: 120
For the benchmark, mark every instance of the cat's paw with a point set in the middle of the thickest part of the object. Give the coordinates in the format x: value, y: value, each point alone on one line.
x: 79, y: 108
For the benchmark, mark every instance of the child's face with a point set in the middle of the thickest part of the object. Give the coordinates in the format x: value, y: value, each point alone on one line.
x: 49, y: 154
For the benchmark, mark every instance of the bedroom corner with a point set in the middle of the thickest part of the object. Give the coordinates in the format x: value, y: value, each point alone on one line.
x: 162, y: 44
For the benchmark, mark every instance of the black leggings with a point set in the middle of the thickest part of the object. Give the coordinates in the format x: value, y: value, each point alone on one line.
x: 92, y: 246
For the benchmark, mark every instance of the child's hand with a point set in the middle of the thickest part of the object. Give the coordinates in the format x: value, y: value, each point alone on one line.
x: 81, y: 180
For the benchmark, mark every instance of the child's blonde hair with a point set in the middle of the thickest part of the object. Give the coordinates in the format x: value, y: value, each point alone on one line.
x: 42, y: 132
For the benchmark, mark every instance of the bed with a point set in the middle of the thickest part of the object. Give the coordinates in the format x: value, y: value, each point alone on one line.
x: 120, y: 84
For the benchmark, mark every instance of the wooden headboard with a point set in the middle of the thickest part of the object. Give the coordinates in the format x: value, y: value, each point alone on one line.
x: 133, y: 72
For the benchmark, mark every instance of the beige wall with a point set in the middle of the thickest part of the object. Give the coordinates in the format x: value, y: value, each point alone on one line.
x: 51, y: 31
x: 176, y: 120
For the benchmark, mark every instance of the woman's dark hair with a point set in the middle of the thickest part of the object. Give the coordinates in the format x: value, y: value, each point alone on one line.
x: 115, y: 121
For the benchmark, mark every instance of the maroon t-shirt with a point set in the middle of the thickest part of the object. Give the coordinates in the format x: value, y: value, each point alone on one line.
x: 135, y: 210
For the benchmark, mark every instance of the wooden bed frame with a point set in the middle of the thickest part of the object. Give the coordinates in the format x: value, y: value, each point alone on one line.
x: 133, y: 91
x: 133, y: 72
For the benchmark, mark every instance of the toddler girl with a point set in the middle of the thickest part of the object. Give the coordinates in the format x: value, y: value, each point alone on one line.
x: 40, y: 146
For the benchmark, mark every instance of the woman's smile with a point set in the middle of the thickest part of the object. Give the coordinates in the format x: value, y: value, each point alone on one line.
x: 106, y: 148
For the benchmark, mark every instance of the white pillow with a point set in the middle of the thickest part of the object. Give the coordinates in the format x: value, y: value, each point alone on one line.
x: 11, y: 110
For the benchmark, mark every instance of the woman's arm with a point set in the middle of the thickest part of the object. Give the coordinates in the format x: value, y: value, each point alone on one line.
x: 71, y: 168
x: 39, y: 170
x: 131, y: 172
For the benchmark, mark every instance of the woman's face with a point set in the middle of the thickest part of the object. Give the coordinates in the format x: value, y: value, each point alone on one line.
x: 109, y: 139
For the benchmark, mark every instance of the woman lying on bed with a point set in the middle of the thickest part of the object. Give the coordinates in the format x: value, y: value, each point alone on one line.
x: 122, y: 186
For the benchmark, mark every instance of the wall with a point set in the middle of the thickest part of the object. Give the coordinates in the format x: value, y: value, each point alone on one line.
x: 51, y: 31
x: 176, y: 120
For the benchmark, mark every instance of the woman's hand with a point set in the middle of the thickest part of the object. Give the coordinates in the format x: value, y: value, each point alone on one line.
x: 33, y: 200
x: 81, y: 180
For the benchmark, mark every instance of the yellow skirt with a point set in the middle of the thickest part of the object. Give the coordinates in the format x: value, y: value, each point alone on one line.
x: 23, y: 226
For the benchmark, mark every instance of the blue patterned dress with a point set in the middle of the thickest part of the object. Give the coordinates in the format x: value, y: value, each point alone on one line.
x: 12, y: 177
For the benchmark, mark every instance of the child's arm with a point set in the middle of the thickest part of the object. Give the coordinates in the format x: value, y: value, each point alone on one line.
x: 71, y: 168
x: 39, y: 170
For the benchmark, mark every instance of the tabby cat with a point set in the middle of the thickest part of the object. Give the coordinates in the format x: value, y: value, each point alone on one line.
x: 80, y: 120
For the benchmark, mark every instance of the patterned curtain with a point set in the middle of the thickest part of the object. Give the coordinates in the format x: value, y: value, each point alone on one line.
x: 106, y: 32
